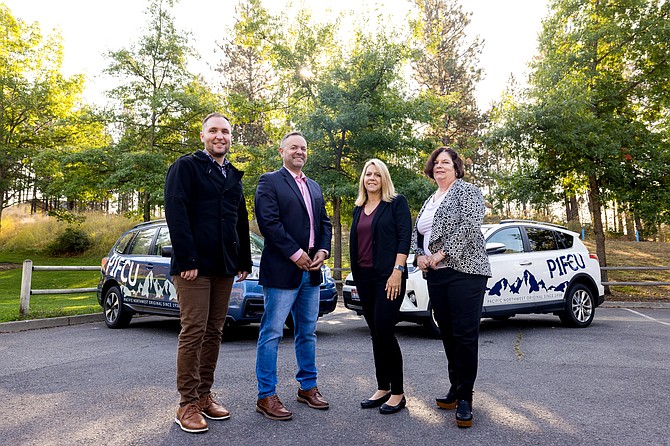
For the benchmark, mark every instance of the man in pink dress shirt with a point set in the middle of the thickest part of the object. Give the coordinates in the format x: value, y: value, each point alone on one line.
x: 291, y: 215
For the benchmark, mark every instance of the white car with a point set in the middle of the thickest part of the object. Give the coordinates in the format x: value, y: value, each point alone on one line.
x: 537, y: 268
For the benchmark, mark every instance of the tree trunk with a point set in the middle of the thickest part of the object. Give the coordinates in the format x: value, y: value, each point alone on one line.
x: 146, y: 206
x: 630, y: 226
x: 337, y: 238
x: 596, y: 213
x: 638, y: 226
x: 572, y: 211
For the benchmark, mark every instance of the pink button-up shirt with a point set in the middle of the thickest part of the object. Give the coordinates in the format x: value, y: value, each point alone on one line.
x: 301, y: 181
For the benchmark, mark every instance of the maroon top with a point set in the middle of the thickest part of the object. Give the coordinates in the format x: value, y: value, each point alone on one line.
x: 364, y: 229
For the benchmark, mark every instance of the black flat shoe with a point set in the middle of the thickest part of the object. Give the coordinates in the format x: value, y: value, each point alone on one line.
x: 464, y: 414
x: 449, y: 402
x: 386, y: 409
x: 369, y: 404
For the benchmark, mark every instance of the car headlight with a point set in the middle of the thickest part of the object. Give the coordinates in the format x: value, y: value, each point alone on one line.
x: 254, y: 272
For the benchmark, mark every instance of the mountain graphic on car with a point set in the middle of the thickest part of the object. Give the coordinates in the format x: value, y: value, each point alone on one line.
x: 529, y: 280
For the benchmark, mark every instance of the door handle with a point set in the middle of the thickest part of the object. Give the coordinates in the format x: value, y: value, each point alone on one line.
x: 525, y: 263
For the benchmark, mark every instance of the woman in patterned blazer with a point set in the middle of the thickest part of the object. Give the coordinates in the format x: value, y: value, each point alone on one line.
x: 451, y: 252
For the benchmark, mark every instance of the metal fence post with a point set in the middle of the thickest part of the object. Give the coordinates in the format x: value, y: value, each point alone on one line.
x: 26, y: 280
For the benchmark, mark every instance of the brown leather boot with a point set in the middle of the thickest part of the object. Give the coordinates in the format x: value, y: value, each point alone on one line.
x: 313, y: 398
x: 212, y: 409
x: 190, y: 419
x: 273, y: 409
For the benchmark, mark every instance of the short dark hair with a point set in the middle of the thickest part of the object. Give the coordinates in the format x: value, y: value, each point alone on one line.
x: 214, y: 115
x: 289, y: 134
x: 430, y: 163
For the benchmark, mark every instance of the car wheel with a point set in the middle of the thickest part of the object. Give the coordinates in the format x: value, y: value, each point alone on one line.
x: 579, y: 307
x: 431, y: 324
x: 116, y: 315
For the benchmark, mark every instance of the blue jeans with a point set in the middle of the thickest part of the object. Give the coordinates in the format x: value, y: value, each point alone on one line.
x: 303, y: 303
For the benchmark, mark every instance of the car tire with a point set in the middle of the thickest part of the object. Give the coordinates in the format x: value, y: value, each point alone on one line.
x: 579, y: 307
x: 431, y: 324
x: 116, y: 315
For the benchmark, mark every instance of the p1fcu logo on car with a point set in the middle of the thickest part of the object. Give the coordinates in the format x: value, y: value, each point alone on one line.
x: 528, y: 287
x: 138, y: 289
x: 560, y: 265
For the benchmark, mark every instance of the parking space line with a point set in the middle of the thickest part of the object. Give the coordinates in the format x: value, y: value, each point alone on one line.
x: 647, y: 317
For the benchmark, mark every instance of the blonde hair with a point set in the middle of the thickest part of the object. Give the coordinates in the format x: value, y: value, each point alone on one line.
x: 388, y: 190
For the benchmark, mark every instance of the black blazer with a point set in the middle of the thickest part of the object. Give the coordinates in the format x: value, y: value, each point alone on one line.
x: 207, y: 217
x: 391, y: 234
x: 283, y: 221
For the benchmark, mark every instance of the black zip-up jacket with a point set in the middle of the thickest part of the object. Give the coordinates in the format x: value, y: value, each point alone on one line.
x: 207, y: 217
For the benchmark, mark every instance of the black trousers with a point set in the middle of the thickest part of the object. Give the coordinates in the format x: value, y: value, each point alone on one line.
x: 457, y: 300
x: 381, y: 315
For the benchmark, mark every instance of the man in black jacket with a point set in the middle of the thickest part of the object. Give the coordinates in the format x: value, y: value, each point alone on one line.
x: 209, y: 228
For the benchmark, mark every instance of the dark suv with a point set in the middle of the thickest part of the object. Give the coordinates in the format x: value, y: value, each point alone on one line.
x: 135, y: 278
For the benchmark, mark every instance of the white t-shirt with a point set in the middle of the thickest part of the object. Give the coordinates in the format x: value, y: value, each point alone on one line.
x: 425, y: 223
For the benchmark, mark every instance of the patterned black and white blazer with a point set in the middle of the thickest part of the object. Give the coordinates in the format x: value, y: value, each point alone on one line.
x: 456, y: 229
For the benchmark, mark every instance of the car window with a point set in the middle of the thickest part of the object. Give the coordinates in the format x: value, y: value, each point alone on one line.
x: 142, y: 242
x: 541, y: 239
x: 123, y: 242
x: 162, y: 240
x: 256, y: 244
x: 564, y: 241
x: 510, y: 237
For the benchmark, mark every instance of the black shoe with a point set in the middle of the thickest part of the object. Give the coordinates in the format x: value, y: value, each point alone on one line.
x: 449, y: 402
x: 464, y: 413
x: 369, y: 404
x: 386, y: 409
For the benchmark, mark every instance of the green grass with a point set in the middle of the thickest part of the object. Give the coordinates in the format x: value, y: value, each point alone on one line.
x: 48, y: 305
x: 25, y: 236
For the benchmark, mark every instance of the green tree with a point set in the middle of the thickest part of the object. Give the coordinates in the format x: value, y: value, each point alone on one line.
x: 445, y: 67
x: 353, y: 107
x: 251, y: 91
x: 598, y: 92
x: 161, y: 106
x: 38, y: 105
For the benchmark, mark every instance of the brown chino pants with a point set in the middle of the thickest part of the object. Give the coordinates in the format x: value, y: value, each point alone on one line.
x: 203, y: 304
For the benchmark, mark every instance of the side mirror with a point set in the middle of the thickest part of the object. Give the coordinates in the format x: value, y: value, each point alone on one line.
x: 166, y: 251
x: 495, y: 248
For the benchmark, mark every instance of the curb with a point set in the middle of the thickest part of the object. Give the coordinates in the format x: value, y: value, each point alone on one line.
x: 621, y: 304
x: 34, y: 324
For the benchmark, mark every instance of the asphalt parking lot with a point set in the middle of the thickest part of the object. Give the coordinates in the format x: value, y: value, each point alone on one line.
x: 539, y: 383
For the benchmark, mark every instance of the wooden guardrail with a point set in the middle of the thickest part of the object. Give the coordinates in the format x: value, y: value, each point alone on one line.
x: 636, y: 268
x: 27, y: 277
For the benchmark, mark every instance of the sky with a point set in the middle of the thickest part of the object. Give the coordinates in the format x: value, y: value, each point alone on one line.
x: 91, y: 28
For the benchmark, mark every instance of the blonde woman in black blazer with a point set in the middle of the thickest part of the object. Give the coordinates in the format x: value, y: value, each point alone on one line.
x: 379, y: 244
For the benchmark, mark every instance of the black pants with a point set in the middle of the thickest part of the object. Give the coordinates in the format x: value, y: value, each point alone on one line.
x: 381, y: 315
x: 457, y: 300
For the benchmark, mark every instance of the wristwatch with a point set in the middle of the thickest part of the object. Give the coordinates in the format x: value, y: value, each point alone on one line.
x: 400, y: 268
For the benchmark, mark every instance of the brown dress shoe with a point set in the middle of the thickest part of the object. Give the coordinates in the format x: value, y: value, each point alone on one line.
x: 212, y: 409
x: 313, y: 398
x: 190, y: 419
x: 272, y: 408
